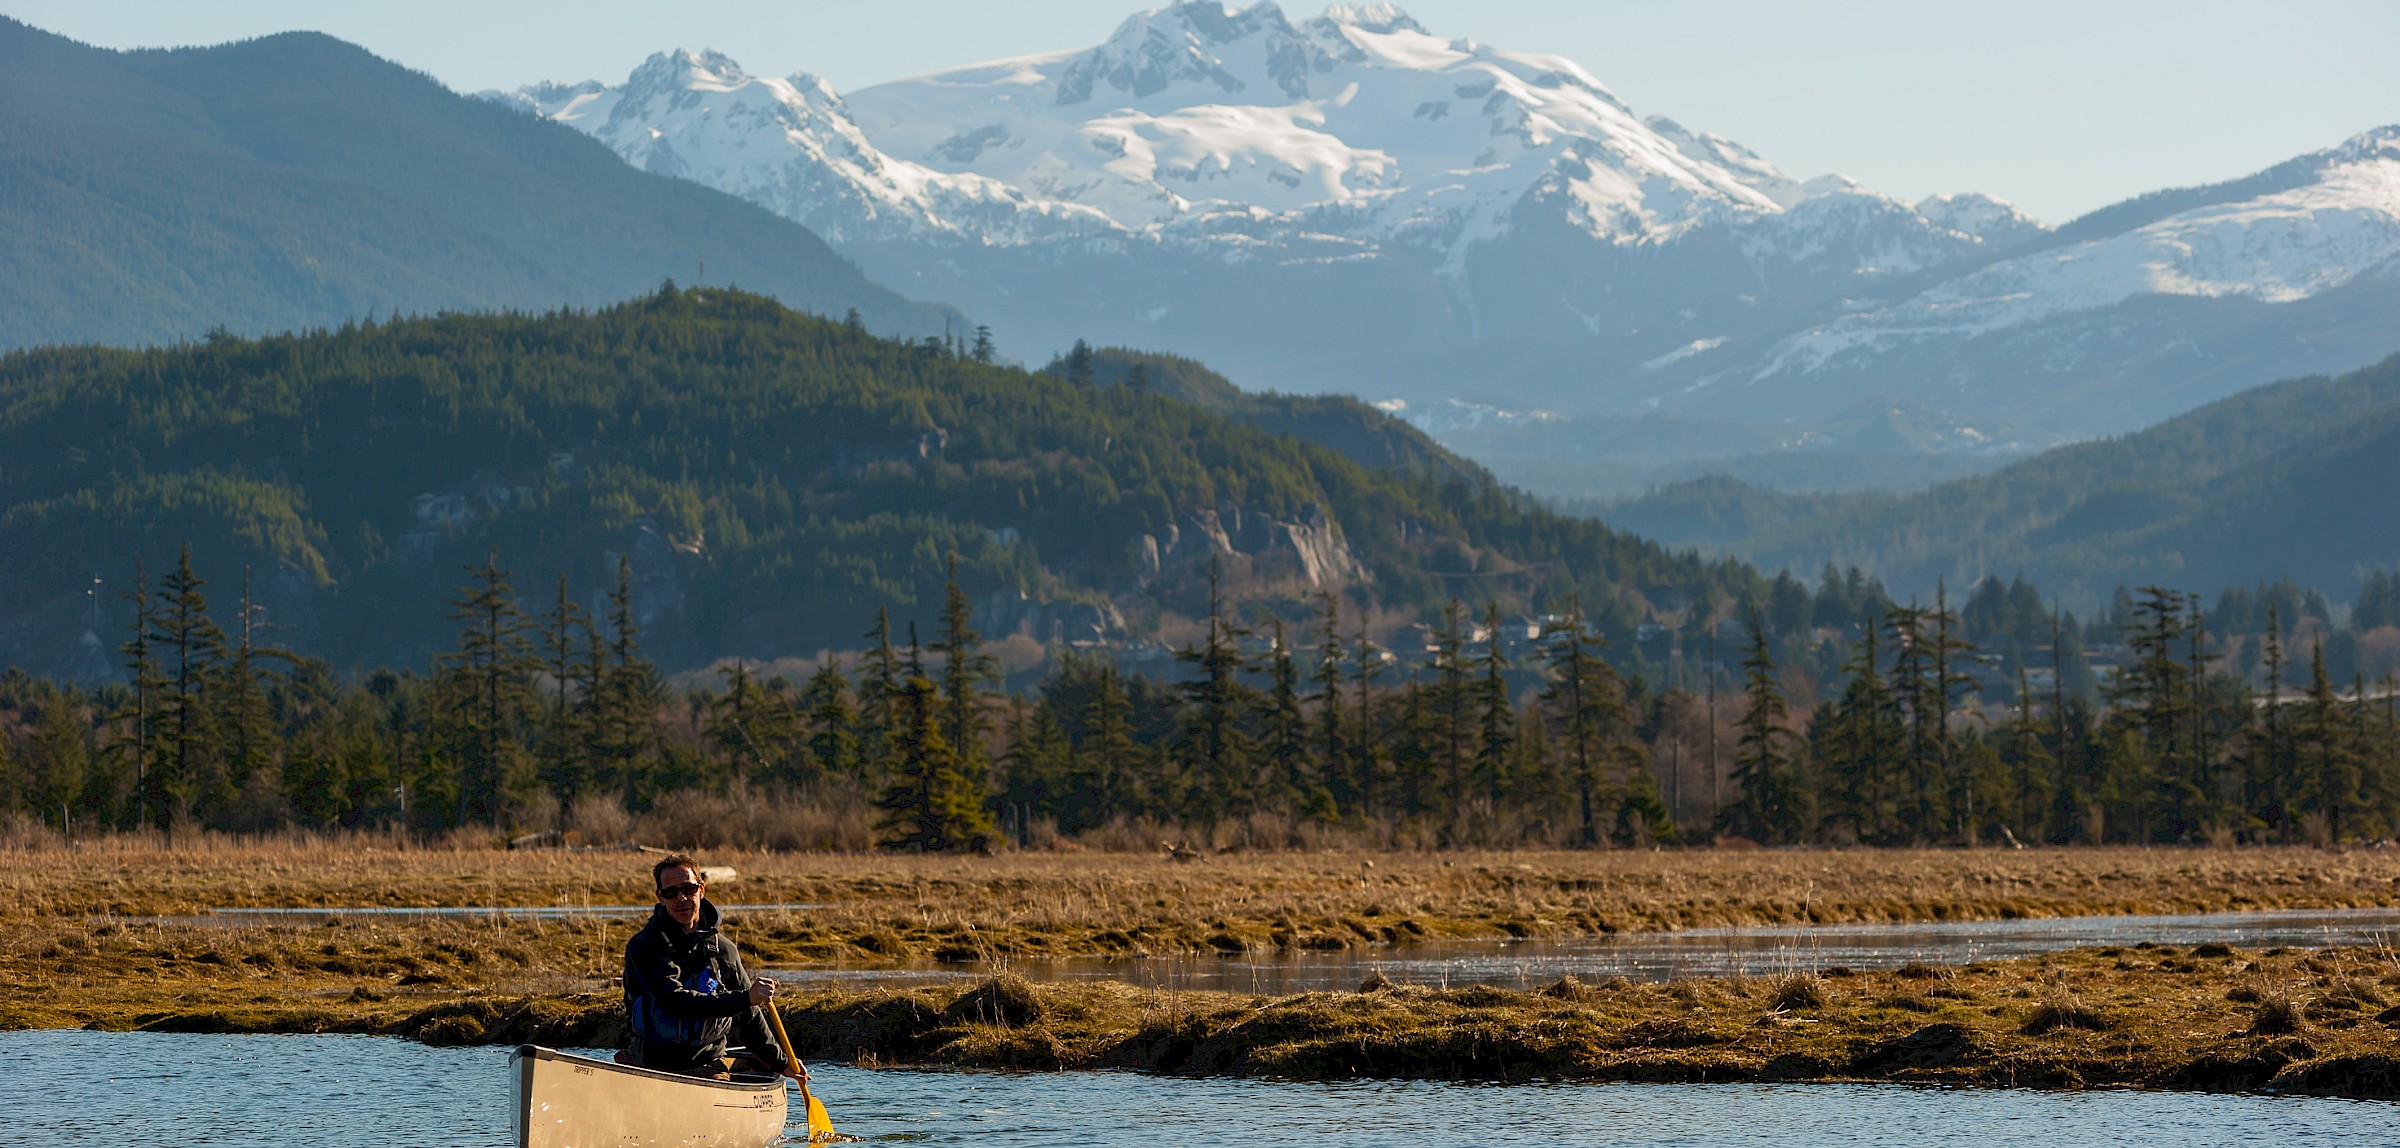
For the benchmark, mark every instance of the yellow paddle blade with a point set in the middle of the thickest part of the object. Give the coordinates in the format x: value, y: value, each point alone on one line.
x: 820, y: 1125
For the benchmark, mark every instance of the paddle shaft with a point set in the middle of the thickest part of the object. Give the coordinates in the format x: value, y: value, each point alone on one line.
x: 791, y: 1059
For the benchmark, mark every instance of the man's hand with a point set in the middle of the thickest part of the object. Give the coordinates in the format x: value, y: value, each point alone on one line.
x: 762, y: 990
x: 797, y: 1071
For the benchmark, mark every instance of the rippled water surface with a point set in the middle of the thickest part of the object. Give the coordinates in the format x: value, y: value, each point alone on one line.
x: 136, y: 1090
x: 1665, y: 956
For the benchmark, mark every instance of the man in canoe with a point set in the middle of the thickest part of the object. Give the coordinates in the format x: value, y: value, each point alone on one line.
x: 686, y: 992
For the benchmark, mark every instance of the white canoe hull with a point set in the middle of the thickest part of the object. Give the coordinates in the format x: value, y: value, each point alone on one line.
x: 569, y: 1101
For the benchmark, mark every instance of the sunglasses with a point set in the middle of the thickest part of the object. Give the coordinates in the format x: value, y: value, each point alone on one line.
x: 678, y: 892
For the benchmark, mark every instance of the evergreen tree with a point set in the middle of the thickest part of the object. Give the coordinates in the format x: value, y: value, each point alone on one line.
x: 1215, y: 745
x: 1108, y: 763
x: 1497, y: 713
x: 1368, y: 745
x: 1859, y: 745
x: 2154, y: 696
x: 965, y: 668
x: 1584, y: 702
x: 249, y: 738
x: 190, y: 763
x: 1453, y: 706
x: 564, y: 759
x: 2269, y: 768
x: 147, y: 683
x: 1769, y: 806
x: 1079, y: 363
x: 833, y: 720
x: 1283, y: 728
x: 930, y: 807
x: 751, y: 728
x: 982, y: 351
x: 1336, y: 770
x: 2332, y: 800
x: 488, y: 698
x: 1950, y: 685
x: 2034, y: 781
x: 626, y: 695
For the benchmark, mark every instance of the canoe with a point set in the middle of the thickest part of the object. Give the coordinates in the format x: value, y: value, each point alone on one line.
x: 570, y: 1101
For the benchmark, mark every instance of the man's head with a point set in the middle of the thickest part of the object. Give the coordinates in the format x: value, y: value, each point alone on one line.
x: 680, y: 888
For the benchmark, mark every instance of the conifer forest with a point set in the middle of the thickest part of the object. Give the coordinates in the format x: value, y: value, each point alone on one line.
x: 1839, y: 717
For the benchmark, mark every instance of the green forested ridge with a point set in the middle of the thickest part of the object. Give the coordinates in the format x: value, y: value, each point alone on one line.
x: 774, y: 478
x: 295, y: 181
x: 2279, y: 481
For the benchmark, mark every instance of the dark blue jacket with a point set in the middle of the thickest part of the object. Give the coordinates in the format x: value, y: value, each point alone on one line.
x: 688, y: 997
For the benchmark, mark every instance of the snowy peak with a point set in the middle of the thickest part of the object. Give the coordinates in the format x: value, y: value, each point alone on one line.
x: 1193, y: 111
x: 1995, y: 221
x: 1382, y: 19
x: 792, y: 146
x: 1740, y: 162
x: 1190, y: 43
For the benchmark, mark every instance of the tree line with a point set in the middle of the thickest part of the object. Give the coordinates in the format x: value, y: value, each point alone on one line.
x: 542, y: 710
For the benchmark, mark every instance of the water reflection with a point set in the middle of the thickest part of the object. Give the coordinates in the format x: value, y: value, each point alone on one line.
x: 1659, y: 956
x: 136, y: 1090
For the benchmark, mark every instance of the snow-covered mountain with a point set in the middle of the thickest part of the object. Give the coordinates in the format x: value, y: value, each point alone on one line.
x: 1353, y: 202
x: 2298, y: 266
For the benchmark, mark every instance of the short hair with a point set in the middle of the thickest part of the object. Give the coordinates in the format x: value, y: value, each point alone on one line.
x: 677, y: 861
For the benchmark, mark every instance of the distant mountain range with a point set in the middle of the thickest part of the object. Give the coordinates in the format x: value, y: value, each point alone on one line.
x: 1352, y: 202
x: 2287, y: 480
x: 297, y: 181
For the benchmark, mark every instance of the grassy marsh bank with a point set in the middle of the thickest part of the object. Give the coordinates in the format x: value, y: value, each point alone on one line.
x: 1066, y: 904
x: 2206, y: 1017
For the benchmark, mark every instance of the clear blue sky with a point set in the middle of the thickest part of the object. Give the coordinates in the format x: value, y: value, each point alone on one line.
x: 2059, y: 105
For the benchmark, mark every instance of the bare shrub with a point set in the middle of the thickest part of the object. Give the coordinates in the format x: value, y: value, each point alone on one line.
x: 18, y: 831
x: 828, y: 822
x: 601, y: 821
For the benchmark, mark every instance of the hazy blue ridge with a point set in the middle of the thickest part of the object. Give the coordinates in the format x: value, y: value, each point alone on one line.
x: 296, y: 181
x: 2285, y: 480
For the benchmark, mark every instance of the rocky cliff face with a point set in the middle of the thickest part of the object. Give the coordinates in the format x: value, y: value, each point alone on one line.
x: 1307, y: 551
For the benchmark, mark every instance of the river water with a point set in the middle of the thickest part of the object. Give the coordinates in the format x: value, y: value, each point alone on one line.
x: 1657, y: 956
x: 75, y: 1089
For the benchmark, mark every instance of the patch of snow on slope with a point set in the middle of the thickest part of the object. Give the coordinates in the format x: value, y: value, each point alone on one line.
x: 1679, y: 354
x: 2275, y: 248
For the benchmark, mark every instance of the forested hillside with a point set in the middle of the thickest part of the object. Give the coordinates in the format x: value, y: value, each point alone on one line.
x: 296, y: 180
x: 1359, y: 432
x: 2278, y: 482
x: 771, y: 479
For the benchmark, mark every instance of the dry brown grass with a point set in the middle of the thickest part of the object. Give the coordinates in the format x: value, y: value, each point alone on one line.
x: 1085, y: 903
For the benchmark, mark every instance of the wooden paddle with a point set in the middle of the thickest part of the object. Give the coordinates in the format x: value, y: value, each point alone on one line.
x: 820, y: 1125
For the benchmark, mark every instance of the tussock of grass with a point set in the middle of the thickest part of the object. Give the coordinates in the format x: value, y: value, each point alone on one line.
x: 2064, y: 1012
x: 1799, y: 991
x: 2277, y: 1013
